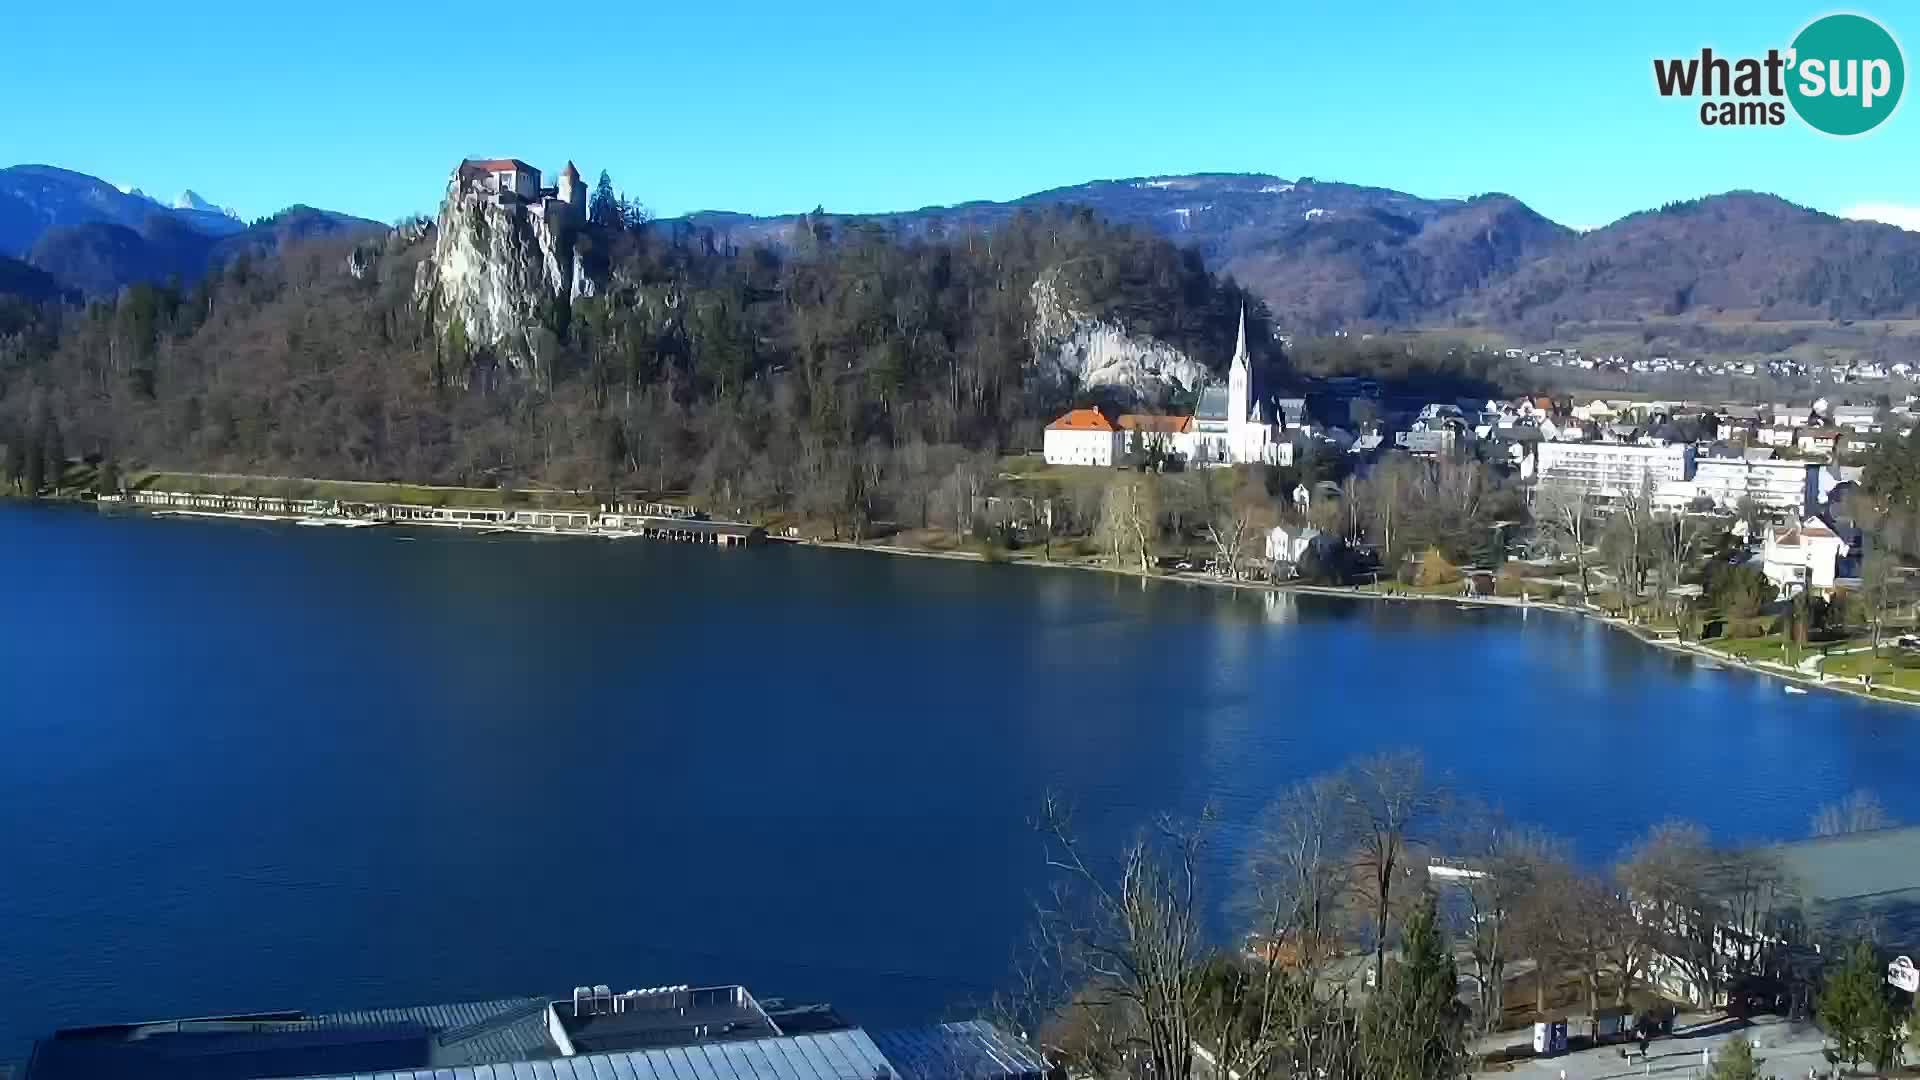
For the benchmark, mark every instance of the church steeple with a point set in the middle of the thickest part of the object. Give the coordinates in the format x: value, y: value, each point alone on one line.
x: 1240, y: 378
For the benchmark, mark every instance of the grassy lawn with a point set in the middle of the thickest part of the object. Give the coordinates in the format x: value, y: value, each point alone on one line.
x: 1882, y: 668
x: 1771, y: 647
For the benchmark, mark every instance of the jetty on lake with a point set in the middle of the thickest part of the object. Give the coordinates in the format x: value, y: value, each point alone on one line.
x: 646, y: 520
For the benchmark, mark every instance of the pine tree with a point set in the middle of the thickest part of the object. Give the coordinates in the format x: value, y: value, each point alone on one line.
x: 55, y: 452
x: 1414, y: 1026
x: 1735, y: 1061
x: 106, y: 479
x: 1853, y: 1006
x: 603, y: 208
x: 33, y: 474
x: 16, y: 467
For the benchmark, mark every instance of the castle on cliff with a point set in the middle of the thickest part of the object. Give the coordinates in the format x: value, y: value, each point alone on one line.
x: 512, y: 182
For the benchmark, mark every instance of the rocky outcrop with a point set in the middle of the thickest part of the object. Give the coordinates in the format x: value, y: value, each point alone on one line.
x: 1073, y: 349
x: 497, y: 272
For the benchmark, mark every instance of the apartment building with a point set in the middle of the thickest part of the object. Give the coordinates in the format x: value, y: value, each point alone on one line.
x: 1611, y: 470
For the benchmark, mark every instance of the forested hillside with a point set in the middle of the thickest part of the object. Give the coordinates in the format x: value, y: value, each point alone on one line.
x: 845, y: 367
x: 1741, y: 252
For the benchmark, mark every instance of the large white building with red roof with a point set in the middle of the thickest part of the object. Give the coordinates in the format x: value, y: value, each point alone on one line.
x: 1084, y: 437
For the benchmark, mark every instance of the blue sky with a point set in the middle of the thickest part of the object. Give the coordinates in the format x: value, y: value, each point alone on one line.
x: 365, y: 107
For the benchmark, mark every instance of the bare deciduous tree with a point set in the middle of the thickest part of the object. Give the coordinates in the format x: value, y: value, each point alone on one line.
x: 1128, y: 520
x: 1131, y: 938
x: 1502, y: 865
x: 1567, y: 516
x: 1859, y: 811
x: 1390, y: 803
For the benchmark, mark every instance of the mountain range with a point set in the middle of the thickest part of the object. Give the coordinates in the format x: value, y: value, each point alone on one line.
x: 1330, y: 256
x: 1325, y: 255
x: 89, y: 237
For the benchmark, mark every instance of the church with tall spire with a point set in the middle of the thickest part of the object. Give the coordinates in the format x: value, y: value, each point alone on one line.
x: 1233, y: 424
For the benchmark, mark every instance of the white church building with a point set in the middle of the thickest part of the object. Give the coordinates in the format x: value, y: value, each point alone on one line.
x: 1232, y: 426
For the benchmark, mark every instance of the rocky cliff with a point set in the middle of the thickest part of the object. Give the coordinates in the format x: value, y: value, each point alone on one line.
x: 498, y: 272
x: 1073, y: 349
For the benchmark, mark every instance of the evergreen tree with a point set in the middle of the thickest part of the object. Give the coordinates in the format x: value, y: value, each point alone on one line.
x: 1735, y: 1061
x: 34, y: 472
x: 1853, y: 1006
x: 16, y: 460
x: 1416, y: 1022
x: 55, y: 453
x: 106, y: 479
x: 603, y: 207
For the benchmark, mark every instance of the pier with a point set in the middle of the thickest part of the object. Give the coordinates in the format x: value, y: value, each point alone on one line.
x: 651, y: 521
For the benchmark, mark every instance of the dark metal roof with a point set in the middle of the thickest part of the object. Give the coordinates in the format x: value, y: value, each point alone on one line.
x: 1864, y: 882
x: 839, y: 1055
x: 1212, y: 404
x: 973, y: 1050
x: 299, y: 1044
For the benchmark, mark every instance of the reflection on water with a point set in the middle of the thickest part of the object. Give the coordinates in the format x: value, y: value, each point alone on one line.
x: 271, y: 766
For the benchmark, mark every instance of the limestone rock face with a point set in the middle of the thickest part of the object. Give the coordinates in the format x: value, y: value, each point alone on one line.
x: 496, y: 271
x: 1073, y: 348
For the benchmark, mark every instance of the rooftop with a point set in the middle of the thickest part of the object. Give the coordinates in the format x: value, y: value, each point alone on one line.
x: 666, y: 1016
x: 1861, y: 878
x: 1082, y: 420
x: 838, y: 1055
x: 1172, y: 425
x: 668, y: 1033
x: 241, y: 1047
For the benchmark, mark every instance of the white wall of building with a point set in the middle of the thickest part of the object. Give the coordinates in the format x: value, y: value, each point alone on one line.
x: 1612, y: 469
x: 1101, y: 449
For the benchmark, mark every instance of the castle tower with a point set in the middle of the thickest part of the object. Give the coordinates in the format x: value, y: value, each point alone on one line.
x: 1240, y: 379
x: 573, y: 192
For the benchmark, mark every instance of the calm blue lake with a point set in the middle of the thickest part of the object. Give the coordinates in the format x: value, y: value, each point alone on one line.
x: 260, y: 766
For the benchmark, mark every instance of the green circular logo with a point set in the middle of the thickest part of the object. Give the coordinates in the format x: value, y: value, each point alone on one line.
x: 1847, y: 74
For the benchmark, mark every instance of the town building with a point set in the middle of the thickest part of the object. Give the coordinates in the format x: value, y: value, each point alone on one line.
x: 1611, y: 470
x: 1819, y: 440
x: 1863, y: 419
x: 1780, y: 486
x: 1084, y: 437
x: 1288, y: 544
x: 1144, y: 437
x: 1803, y: 555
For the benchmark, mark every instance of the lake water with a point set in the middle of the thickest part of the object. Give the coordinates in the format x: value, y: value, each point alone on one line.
x: 258, y: 766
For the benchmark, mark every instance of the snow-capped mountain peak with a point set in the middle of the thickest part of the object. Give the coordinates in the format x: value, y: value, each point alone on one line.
x: 191, y: 200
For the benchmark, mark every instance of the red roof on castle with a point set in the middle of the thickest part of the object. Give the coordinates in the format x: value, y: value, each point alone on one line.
x: 494, y: 165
